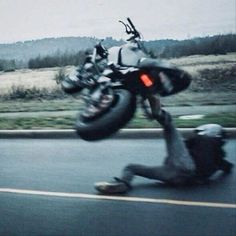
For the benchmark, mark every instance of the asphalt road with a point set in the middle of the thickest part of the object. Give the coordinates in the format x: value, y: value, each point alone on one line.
x: 46, y: 188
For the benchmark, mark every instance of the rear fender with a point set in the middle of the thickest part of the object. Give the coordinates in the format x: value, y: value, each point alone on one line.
x: 173, y: 80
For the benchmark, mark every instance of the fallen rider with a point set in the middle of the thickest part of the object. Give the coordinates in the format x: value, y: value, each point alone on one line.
x: 187, y: 162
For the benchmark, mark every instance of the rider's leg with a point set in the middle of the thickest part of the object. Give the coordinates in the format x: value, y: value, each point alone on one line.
x: 177, y: 168
x: 177, y: 152
x: 163, y: 173
x: 178, y: 164
x: 167, y: 173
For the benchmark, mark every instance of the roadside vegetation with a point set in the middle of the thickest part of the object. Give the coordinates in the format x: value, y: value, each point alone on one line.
x: 74, y: 103
x: 22, y: 93
x: 68, y: 122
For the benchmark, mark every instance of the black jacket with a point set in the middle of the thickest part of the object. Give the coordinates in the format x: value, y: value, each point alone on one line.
x: 208, y: 155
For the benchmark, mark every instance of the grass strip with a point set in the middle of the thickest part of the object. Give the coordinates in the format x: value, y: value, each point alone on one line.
x: 75, y: 103
x: 67, y: 122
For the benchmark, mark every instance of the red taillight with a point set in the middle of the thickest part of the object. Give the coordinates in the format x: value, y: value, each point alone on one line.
x: 146, y: 79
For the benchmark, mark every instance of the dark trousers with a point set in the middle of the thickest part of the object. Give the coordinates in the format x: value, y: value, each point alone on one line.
x: 178, y: 166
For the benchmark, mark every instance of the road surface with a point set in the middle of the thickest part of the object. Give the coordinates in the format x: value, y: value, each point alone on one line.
x: 46, y: 188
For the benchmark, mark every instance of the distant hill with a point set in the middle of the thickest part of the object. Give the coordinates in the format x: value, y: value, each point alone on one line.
x: 50, y: 46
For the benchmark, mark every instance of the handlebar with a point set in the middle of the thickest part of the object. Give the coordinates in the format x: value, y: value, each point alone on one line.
x: 131, y: 24
x: 130, y: 29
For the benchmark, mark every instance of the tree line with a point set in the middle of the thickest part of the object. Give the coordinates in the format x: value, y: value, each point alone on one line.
x: 7, y: 65
x: 57, y: 60
x: 219, y: 44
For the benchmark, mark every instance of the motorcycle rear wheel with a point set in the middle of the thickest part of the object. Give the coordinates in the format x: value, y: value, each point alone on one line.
x: 116, y: 117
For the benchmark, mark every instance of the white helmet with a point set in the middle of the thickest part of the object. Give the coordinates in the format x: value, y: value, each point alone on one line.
x: 210, y: 130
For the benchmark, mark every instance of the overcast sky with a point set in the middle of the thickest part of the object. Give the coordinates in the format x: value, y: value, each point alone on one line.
x: 157, y: 19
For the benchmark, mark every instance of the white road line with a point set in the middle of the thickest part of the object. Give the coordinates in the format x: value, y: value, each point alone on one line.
x: 118, y: 198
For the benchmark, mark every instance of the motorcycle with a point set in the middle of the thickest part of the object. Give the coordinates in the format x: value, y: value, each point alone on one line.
x: 128, y: 72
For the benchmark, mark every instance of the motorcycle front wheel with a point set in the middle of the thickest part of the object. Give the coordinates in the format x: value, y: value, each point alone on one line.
x: 116, y: 117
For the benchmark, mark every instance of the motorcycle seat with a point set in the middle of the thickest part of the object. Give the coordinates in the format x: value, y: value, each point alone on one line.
x: 154, y: 63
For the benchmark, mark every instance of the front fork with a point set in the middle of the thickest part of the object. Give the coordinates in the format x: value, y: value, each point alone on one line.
x: 102, y: 87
